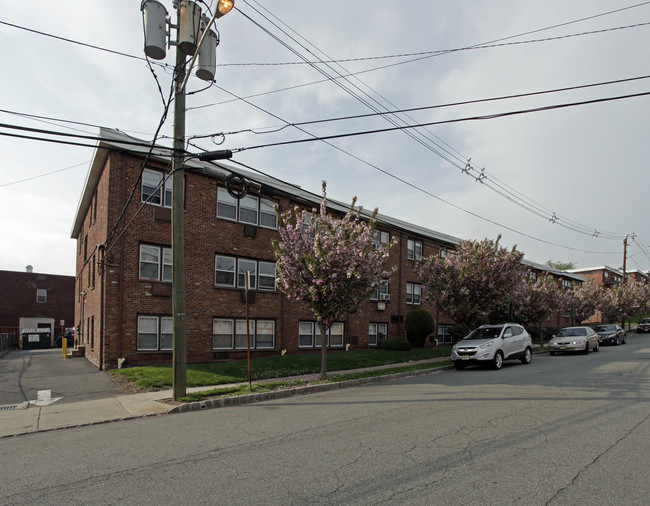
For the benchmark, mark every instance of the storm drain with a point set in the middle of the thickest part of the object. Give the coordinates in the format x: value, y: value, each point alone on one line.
x: 9, y: 407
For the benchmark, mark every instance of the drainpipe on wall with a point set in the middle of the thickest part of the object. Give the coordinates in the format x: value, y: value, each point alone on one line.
x: 101, y: 307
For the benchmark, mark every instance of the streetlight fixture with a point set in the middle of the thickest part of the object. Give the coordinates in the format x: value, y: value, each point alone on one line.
x: 195, y: 39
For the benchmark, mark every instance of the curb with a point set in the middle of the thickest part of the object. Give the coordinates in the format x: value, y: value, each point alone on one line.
x: 221, y: 402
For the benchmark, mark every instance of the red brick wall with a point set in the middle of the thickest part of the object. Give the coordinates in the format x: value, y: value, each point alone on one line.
x: 18, y: 298
x: 126, y: 297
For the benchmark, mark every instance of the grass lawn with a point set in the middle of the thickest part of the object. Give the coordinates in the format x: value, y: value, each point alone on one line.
x: 160, y: 377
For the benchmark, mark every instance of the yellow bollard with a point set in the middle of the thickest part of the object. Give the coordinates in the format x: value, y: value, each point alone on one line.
x: 64, y: 347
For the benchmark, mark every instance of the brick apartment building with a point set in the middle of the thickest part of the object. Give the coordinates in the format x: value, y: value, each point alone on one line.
x: 123, y: 303
x: 123, y: 306
x: 31, y: 301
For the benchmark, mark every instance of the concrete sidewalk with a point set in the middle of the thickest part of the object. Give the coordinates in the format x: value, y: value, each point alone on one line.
x: 45, y: 415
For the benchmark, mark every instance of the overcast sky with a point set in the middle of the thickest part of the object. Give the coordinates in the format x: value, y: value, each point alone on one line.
x: 564, y: 184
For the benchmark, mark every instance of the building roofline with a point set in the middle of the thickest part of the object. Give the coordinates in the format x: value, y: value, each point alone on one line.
x: 598, y: 268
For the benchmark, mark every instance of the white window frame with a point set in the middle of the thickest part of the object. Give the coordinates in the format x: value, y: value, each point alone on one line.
x: 233, y: 270
x: 163, y: 262
x: 267, y: 211
x: 312, y: 331
x: 230, y: 208
x: 266, y: 276
x: 414, y: 249
x: 222, y: 325
x: 236, y: 329
x: 241, y: 273
x: 380, y: 237
x: 162, y: 193
x: 41, y: 295
x: 413, y: 294
x: 225, y: 201
x: 163, y: 327
x: 442, y: 252
x: 246, y: 207
x: 375, y: 329
x: 444, y: 337
x: 382, y: 288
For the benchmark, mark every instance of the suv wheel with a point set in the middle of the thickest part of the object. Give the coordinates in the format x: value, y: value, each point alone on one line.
x: 528, y: 356
x: 497, y: 361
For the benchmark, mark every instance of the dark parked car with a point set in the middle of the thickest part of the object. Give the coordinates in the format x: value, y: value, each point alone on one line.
x: 67, y: 334
x: 611, y: 334
x: 644, y: 326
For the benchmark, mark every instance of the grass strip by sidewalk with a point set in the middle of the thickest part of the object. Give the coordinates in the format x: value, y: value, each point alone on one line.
x: 147, y: 378
x: 270, y: 386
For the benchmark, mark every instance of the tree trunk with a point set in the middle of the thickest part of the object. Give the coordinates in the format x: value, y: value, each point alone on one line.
x: 541, y: 335
x: 323, y: 342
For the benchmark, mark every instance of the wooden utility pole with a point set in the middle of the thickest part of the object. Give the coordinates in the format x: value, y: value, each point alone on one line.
x: 179, y: 374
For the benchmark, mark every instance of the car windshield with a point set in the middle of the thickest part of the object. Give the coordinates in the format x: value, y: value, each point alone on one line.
x: 485, y: 333
x: 572, y: 332
x: 606, y: 328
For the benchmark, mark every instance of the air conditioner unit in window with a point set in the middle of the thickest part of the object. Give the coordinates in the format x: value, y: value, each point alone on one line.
x: 384, y: 296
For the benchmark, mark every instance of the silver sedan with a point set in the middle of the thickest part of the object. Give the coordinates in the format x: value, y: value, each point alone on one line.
x: 580, y: 339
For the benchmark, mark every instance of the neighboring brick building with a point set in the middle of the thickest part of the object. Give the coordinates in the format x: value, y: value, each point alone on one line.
x: 637, y: 276
x: 31, y: 300
x: 603, y: 275
x: 123, y: 306
x: 566, y: 280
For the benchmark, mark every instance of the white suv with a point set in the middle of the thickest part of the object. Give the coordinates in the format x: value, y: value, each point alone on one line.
x: 492, y: 344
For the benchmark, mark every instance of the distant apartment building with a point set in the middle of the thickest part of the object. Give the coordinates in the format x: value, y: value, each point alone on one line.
x: 32, y: 302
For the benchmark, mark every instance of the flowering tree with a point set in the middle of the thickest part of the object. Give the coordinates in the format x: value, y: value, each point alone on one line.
x: 583, y: 300
x: 623, y: 301
x: 329, y: 263
x: 476, y: 280
x: 539, y: 300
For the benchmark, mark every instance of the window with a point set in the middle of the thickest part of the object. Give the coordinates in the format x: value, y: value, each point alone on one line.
x: 41, y: 295
x: 267, y: 276
x: 377, y: 332
x: 241, y: 336
x: 533, y: 276
x: 224, y: 271
x: 442, y: 253
x: 413, y: 293
x: 251, y: 210
x: 309, y: 335
x: 248, y: 210
x: 152, y: 188
x: 226, y: 205
x: 229, y: 334
x: 380, y: 238
x: 268, y: 218
x: 155, y: 333
x: 413, y: 250
x: 444, y: 337
x: 155, y: 263
x: 244, y: 266
x: 381, y: 292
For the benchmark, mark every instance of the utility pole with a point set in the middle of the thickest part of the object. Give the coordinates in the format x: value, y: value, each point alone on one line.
x: 192, y: 32
x: 179, y: 374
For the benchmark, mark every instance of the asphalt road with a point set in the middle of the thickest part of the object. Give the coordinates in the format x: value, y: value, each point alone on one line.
x: 24, y: 372
x: 563, y: 430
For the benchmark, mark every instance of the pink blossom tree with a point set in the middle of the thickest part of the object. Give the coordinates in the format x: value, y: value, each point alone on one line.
x: 329, y: 263
x: 582, y: 300
x: 474, y: 281
x: 539, y: 300
x: 623, y: 301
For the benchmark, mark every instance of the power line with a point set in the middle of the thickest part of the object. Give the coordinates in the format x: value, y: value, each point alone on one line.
x: 44, y: 175
x: 435, y: 52
x: 442, y: 122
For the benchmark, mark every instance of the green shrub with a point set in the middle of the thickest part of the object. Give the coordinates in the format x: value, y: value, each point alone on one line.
x: 396, y: 344
x: 419, y: 325
x: 458, y: 331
